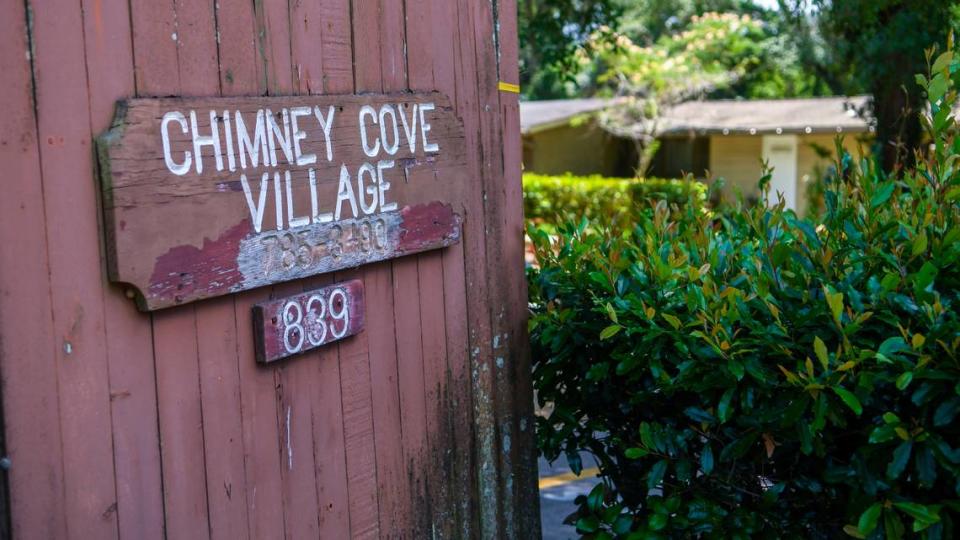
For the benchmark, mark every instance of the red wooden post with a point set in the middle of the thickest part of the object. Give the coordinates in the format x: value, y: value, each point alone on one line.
x: 161, y: 423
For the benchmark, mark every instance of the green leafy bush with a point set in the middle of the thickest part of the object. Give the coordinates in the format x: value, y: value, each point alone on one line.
x: 554, y: 198
x: 751, y: 374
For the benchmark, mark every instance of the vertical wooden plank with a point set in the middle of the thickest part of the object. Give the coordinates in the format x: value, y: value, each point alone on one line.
x: 262, y: 435
x: 217, y: 331
x: 136, y: 444
x: 297, y: 465
x: 154, y: 48
x: 331, y: 19
x: 329, y: 456
x: 181, y: 422
x: 295, y: 390
x: 363, y: 397
x: 27, y: 347
x: 273, y: 41
x: 494, y: 194
x: 73, y: 247
x: 481, y: 337
x: 179, y: 62
x: 525, y: 495
x: 458, y: 399
x: 222, y: 423
x: 239, y: 63
x: 423, y: 19
x: 242, y: 72
x: 394, y: 64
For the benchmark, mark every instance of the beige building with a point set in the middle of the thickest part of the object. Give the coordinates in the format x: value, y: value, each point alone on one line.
x: 726, y: 139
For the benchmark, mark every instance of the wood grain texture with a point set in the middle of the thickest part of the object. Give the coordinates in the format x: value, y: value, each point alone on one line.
x: 416, y: 426
x: 525, y: 492
x: 172, y: 233
x: 447, y: 46
x: 63, y: 124
x: 222, y: 426
x: 297, y: 324
x: 361, y: 360
x: 28, y: 362
x: 329, y: 18
x: 473, y: 80
x: 136, y: 448
x: 242, y: 65
x: 179, y: 62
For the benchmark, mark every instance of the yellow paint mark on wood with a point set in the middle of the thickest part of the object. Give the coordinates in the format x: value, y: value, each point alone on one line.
x: 509, y: 87
x: 566, y: 478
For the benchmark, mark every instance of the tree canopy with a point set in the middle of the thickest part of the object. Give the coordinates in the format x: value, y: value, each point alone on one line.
x: 801, y: 48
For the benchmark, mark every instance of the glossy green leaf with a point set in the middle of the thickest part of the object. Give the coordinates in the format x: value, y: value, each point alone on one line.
x: 882, y: 194
x: 706, y: 459
x: 853, y: 531
x: 588, y: 524
x: 821, y: 351
x: 610, y: 331
x: 901, y: 456
x: 946, y: 412
x: 869, y: 518
x: 918, y: 512
x: 673, y: 321
x: 723, y: 408
x: 904, y: 380
x: 656, y: 474
x: 849, y: 399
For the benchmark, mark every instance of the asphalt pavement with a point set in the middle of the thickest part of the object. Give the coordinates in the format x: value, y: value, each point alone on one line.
x: 558, y: 488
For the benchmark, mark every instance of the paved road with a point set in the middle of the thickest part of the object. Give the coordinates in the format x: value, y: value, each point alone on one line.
x: 556, y: 502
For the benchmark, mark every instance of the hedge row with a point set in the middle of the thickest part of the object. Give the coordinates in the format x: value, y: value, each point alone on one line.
x: 750, y: 374
x: 554, y: 198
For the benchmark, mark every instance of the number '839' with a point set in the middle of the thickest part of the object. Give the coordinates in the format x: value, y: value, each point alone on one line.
x: 320, y: 318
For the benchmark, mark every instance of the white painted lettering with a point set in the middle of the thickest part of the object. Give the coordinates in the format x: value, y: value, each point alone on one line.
x: 367, y: 110
x: 199, y: 141
x: 384, y: 186
x: 425, y: 127
x: 276, y: 135
x: 315, y: 214
x: 345, y: 193
x: 370, y: 189
x: 256, y: 210
x: 327, y: 125
x: 301, y: 158
x: 228, y: 136
x: 181, y: 168
x: 278, y: 199
x: 248, y: 148
x: 292, y: 220
x: 410, y: 127
x: 384, y: 111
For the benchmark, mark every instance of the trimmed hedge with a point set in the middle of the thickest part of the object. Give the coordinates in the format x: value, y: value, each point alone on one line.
x: 555, y: 198
x: 751, y: 374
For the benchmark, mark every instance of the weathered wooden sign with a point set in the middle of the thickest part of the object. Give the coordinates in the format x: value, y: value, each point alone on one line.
x: 209, y: 196
x: 297, y: 324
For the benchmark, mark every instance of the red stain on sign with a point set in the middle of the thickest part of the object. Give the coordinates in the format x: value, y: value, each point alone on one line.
x: 213, y: 267
x: 427, y: 224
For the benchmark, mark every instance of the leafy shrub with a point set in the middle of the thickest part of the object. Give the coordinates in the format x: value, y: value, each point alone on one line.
x: 752, y: 374
x: 599, y: 198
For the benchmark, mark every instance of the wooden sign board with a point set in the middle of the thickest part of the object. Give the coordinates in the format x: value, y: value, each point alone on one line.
x: 303, y: 322
x: 210, y: 196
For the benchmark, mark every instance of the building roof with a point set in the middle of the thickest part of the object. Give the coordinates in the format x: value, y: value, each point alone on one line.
x: 753, y: 117
x: 540, y: 115
x: 768, y: 116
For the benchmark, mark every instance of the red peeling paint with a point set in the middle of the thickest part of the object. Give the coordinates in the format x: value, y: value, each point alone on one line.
x: 427, y: 224
x: 185, y: 269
